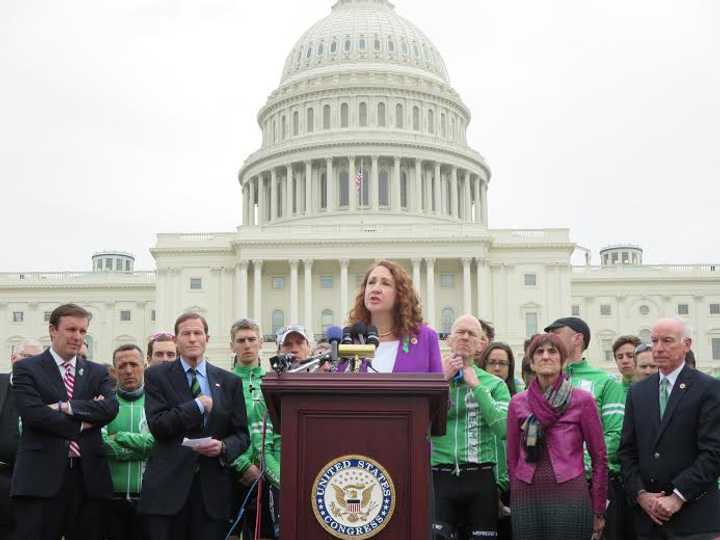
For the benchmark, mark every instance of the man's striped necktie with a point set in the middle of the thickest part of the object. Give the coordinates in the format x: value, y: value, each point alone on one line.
x: 69, y: 380
x: 194, y: 384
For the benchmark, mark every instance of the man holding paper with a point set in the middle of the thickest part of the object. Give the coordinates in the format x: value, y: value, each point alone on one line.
x: 186, y: 491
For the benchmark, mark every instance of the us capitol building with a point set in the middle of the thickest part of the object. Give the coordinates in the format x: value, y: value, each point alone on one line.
x: 364, y: 156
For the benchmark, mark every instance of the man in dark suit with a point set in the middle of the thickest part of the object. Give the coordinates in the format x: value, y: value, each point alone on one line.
x: 186, y: 492
x: 9, y: 435
x: 670, y: 448
x: 61, y: 476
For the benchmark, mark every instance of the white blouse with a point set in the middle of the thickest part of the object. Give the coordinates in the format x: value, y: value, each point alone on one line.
x: 385, y: 354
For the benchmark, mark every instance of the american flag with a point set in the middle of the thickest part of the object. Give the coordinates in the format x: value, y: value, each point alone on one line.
x: 359, y: 180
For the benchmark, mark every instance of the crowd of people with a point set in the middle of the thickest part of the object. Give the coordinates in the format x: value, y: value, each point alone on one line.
x: 165, y: 445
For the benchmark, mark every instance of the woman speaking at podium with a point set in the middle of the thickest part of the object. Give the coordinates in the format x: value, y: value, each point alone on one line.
x: 388, y: 301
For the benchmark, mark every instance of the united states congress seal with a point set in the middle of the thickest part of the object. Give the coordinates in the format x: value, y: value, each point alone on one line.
x: 353, y: 497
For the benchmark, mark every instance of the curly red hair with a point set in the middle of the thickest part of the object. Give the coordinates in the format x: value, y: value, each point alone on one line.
x: 407, y: 312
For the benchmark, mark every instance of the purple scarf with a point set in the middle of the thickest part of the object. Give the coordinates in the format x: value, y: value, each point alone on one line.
x: 546, y: 409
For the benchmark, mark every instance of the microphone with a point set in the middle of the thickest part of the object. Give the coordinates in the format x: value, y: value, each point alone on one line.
x: 359, y: 331
x: 281, y: 362
x: 347, y: 336
x: 372, y: 336
x: 334, y: 336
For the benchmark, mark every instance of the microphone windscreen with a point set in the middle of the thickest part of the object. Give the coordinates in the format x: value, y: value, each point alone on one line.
x: 334, y: 333
x: 359, y: 329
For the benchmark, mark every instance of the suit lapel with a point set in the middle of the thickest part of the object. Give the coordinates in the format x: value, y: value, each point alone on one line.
x: 178, y: 380
x: 216, y: 389
x: 53, y: 374
x: 680, y: 388
x: 81, y: 376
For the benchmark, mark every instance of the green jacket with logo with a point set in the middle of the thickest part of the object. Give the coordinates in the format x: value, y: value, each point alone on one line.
x: 128, y: 443
x: 610, y: 399
x: 256, y: 409
x: 477, y: 420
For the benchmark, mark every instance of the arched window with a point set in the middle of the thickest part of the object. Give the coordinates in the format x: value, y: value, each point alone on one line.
x: 399, y: 119
x: 364, y: 186
x: 284, y: 127
x: 333, y: 47
x: 378, y: 45
x: 448, y: 195
x: 296, y: 123
x: 453, y: 135
x: 310, y: 121
x: 275, y: 139
x: 391, y: 45
x: 443, y: 125
x: 343, y: 188
x: 326, y: 117
x: 348, y: 44
x: 280, y: 196
x: 344, y: 113
x: 278, y: 320
x: 320, y: 49
x: 448, y: 318
x: 362, y: 113
x: 308, y: 54
x: 404, y: 46
x: 381, y: 115
x: 431, y: 121
x: 327, y: 318
x: 361, y: 44
x: 403, y: 190
x: 416, y: 118
x: 416, y: 51
x: 383, y: 191
x: 323, y: 191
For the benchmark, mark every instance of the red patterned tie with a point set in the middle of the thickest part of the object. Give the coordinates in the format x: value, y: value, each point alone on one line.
x: 69, y: 381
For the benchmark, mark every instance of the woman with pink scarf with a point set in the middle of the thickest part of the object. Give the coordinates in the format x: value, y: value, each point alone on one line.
x: 548, y: 425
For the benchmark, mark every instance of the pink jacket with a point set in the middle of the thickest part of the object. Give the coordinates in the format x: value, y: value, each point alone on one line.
x: 580, y: 423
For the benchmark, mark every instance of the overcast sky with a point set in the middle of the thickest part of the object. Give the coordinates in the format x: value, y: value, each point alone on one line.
x: 120, y: 119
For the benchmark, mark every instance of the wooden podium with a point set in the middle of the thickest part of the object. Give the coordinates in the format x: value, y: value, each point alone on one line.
x: 384, y: 417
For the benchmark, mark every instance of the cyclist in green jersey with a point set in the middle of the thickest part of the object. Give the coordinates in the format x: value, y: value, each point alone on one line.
x: 624, y: 353
x: 464, y: 459
x: 246, y: 342
x: 610, y: 400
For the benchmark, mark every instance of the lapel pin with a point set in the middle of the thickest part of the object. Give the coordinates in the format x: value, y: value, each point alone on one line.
x: 217, y: 385
x: 682, y: 386
x: 81, y: 372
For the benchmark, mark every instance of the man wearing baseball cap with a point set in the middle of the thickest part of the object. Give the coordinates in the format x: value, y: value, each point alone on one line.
x: 610, y: 399
x: 294, y: 339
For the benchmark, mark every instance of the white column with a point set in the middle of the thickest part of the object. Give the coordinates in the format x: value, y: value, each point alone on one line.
x: 344, y: 288
x: 273, y: 195
x: 483, y: 202
x: 257, y: 292
x: 467, y: 286
x: 330, y: 175
x: 395, y: 186
x: 308, y: 295
x: 417, y: 192
x: 483, y: 285
x: 308, y: 188
x: 455, y: 208
x: 416, y: 275
x: 468, y: 203
x: 436, y: 188
x: 430, y: 293
x: 289, y: 191
x: 374, y: 185
x: 262, y: 208
x: 241, y: 296
x: 293, y: 291
x: 352, y: 192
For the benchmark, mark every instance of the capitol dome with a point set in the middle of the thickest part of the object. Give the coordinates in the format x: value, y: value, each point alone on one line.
x: 359, y: 34
x: 364, y: 128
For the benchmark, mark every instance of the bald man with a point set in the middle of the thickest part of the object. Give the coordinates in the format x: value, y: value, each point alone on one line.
x: 9, y: 434
x: 670, y: 447
x: 464, y: 459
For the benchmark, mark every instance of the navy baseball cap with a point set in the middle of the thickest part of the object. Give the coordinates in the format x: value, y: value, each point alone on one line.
x: 574, y: 323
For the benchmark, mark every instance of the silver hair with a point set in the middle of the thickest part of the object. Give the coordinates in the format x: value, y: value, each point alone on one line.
x: 28, y: 343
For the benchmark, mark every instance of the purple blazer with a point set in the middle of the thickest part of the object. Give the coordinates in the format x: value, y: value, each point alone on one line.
x: 419, y: 353
x: 564, y: 440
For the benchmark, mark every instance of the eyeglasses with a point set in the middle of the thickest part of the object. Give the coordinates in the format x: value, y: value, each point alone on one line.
x: 498, y: 363
x: 158, y: 335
